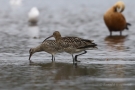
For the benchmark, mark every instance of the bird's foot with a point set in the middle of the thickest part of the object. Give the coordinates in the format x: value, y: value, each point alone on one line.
x: 31, y: 62
x: 77, y: 61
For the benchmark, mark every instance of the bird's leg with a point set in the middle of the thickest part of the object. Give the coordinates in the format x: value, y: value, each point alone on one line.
x: 75, y: 65
x: 110, y: 33
x: 52, y: 57
x: 73, y: 58
x: 79, y: 55
x: 120, y: 33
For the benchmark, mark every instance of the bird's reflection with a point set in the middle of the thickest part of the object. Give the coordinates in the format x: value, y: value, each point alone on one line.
x: 62, y: 71
x: 33, y: 31
x: 116, y: 42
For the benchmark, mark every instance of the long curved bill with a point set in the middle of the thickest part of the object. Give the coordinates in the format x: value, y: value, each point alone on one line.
x: 48, y: 38
x: 30, y: 56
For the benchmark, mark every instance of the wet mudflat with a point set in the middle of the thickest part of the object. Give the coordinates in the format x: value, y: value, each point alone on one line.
x: 111, y: 67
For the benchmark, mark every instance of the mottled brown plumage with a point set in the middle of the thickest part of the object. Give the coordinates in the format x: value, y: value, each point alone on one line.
x: 73, y: 44
x: 49, y: 46
x: 114, y: 19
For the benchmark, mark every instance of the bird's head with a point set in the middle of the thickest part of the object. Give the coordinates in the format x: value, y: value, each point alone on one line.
x: 119, y: 6
x: 31, y: 52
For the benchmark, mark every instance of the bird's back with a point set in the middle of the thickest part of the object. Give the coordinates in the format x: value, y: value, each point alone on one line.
x: 115, y: 21
x: 51, y: 46
x: 75, y: 44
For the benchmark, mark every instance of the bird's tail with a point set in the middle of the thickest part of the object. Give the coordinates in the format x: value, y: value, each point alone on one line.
x: 128, y: 24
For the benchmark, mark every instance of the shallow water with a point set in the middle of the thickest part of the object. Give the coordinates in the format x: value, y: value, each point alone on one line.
x: 111, y: 67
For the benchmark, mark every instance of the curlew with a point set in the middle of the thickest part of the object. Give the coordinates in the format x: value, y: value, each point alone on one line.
x: 73, y: 45
x: 115, y: 20
x: 49, y: 46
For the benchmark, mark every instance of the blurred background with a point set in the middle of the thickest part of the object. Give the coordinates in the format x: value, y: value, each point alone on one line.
x: 26, y: 23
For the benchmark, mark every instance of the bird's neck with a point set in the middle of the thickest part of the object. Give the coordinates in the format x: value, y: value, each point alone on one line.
x: 58, y: 38
x: 114, y: 9
x: 38, y: 48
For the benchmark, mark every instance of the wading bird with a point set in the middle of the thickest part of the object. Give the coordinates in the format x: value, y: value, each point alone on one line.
x: 73, y: 45
x: 115, y: 20
x: 49, y: 46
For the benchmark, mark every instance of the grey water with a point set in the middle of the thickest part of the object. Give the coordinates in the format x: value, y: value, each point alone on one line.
x: 110, y: 67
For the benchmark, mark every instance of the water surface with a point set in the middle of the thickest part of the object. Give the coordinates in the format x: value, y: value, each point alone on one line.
x: 111, y: 67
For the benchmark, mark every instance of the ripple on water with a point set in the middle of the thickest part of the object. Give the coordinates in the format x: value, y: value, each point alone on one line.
x: 111, y: 67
